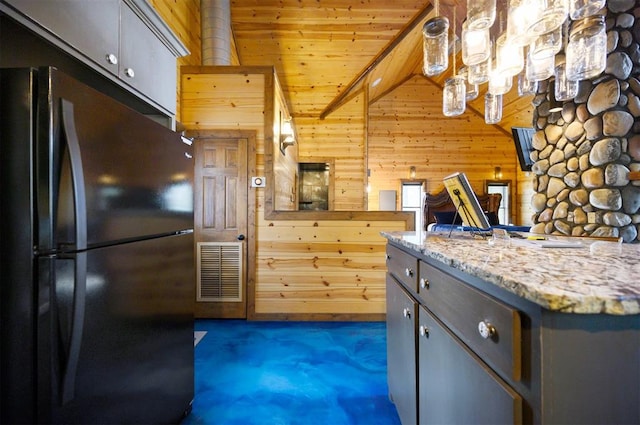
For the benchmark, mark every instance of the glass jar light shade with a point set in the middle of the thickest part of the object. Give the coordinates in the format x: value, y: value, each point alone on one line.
x: 454, y: 97
x: 551, y: 15
x: 565, y: 89
x: 471, y: 90
x: 579, y: 9
x: 509, y: 56
x: 435, y: 35
x: 481, y: 13
x: 539, y: 69
x: 476, y: 44
x: 526, y: 87
x: 520, y: 15
x: 499, y: 83
x: 492, y: 108
x: 587, y: 49
x: 547, y: 44
x: 479, y: 73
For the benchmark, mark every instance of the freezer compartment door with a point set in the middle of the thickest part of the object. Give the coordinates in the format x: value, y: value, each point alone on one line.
x: 132, y: 177
x: 132, y: 360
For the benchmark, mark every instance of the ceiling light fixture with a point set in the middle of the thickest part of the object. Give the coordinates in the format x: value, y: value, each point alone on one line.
x: 538, y: 28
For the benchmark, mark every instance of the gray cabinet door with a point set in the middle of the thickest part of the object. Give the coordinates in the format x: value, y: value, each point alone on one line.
x: 401, y: 351
x: 145, y: 62
x: 90, y: 27
x: 455, y: 386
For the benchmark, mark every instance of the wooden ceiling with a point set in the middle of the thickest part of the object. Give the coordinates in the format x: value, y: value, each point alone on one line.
x: 326, y: 51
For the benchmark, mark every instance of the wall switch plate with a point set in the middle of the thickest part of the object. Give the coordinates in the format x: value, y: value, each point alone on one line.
x: 591, y: 217
x: 258, y: 181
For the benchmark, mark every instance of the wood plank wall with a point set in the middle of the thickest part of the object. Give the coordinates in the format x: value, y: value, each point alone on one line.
x: 341, y: 136
x: 183, y: 17
x: 338, y: 272
x: 305, y: 269
x: 407, y: 128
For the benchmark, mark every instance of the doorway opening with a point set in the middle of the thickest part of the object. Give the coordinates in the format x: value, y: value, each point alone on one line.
x: 315, y: 186
x: 412, y: 196
x: 502, y: 187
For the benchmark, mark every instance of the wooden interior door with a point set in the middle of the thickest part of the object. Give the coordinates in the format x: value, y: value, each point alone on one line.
x: 220, y: 216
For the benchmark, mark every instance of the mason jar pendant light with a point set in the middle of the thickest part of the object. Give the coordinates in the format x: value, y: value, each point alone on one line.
x: 526, y: 87
x: 454, y: 93
x: 539, y: 69
x: 454, y: 97
x: 579, y: 9
x: 481, y: 13
x: 435, y: 35
x: 499, y: 83
x: 550, y: 15
x: 547, y: 44
x: 586, y: 52
x: 479, y: 73
x: 476, y: 44
x: 565, y: 89
x: 471, y: 90
x: 509, y: 57
x: 520, y: 16
x: 492, y: 108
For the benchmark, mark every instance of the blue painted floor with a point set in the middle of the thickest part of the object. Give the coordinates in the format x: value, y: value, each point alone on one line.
x: 307, y: 373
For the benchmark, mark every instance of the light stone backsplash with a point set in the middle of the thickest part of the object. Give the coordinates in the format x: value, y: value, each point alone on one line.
x: 583, y: 154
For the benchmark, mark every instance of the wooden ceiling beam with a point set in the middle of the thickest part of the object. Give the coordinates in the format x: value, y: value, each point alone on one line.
x: 355, y: 84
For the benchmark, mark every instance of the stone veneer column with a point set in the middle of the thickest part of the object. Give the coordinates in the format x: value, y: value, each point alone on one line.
x: 584, y: 153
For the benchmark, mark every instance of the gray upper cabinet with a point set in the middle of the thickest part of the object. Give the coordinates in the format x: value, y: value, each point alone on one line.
x: 145, y: 63
x: 124, y: 40
x: 90, y: 27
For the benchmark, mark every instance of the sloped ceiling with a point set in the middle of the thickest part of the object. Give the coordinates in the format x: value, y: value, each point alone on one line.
x: 326, y: 51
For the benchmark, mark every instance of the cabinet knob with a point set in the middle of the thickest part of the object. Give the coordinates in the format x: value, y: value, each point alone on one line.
x: 407, y: 313
x: 424, y: 283
x: 486, y: 329
x: 424, y: 331
x: 387, y: 257
x: 408, y: 272
x: 112, y: 59
x: 129, y: 72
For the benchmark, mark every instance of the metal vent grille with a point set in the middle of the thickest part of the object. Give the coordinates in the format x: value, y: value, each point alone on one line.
x: 219, y: 271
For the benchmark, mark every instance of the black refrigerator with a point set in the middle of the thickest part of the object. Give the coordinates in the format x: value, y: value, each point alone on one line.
x: 97, y: 270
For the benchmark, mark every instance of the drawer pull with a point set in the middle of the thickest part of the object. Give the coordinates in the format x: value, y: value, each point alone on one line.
x: 424, y: 331
x: 129, y: 72
x: 486, y: 330
x: 408, y: 272
x: 387, y: 257
x: 424, y: 283
x: 407, y: 313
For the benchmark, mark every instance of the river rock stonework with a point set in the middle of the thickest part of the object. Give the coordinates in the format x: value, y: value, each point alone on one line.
x: 585, y: 152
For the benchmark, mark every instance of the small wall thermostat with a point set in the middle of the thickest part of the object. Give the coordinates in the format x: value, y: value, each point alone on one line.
x: 257, y: 181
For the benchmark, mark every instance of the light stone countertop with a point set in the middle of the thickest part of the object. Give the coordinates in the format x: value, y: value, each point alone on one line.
x: 597, y: 277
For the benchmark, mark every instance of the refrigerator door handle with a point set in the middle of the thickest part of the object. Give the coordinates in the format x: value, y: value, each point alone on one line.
x: 80, y: 267
x: 77, y: 174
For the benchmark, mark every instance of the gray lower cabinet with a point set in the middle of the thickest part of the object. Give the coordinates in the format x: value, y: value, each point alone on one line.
x: 463, y: 351
x: 401, y: 346
x: 455, y: 386
x: 445, y: 342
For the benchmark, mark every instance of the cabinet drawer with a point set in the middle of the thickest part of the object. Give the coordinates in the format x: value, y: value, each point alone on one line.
x: 403, y: 267
x: 489, y: 327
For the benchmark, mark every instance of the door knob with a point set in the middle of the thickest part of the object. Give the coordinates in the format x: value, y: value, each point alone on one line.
x: 240, y: 237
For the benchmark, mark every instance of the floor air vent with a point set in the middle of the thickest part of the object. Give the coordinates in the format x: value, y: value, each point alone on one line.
x: 219, y: 271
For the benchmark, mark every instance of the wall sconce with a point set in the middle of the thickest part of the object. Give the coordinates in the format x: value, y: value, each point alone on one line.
x: 287, y: 137
x: 497, y: 173
x: 412, y: 172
